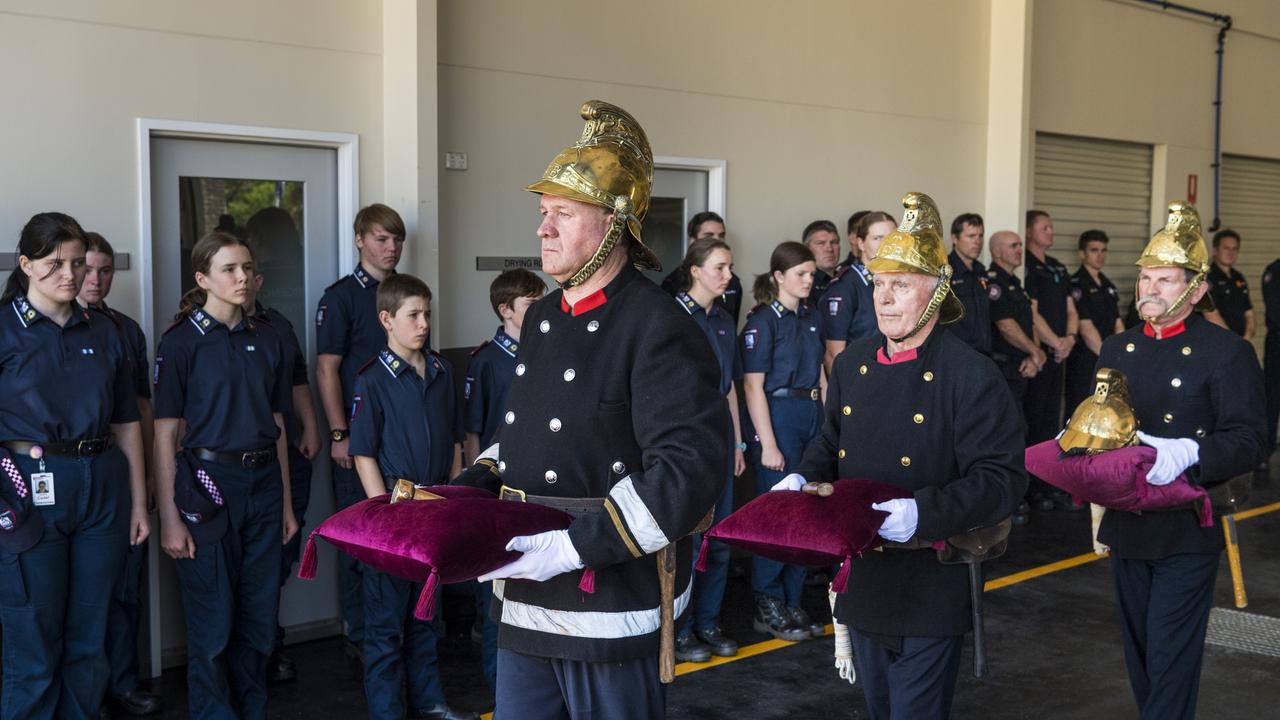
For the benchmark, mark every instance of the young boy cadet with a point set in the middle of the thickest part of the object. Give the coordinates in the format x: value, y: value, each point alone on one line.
x: 403, y: 426
x: 489, y: 376
x: 347, y: 336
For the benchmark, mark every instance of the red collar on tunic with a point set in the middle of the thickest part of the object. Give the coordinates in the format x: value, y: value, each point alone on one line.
x: 1169, y: 332
x: 899, y: 357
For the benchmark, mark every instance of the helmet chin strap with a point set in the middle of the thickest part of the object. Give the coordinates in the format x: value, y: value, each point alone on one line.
x: 1177, y: 304
x: 603, y: 251
x: 935, y: 302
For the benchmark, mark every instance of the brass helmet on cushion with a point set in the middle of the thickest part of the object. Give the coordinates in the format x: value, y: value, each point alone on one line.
x: 611, y: 165
x: 916, y: 247
x: 1103, y: 421
x: 1180, y: 244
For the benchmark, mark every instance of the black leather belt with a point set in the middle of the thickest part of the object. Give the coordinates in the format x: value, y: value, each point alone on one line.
x: 576, y: 507
x: 252, y: 459
x: 63, y: 448
x: 802, y: 393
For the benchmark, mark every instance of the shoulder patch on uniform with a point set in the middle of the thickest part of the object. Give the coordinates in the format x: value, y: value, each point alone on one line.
x: 994, y: 291
x: 833, y: 305
x: 155, y: 374
x: 480, y: 347
x: 357, y: 401
x: 1076, y: 293
x: 749, y: 339
x: 321, y: 311
x: 466, y: 387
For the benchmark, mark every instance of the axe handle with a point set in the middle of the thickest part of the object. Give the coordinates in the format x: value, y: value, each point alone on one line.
x: 1233, y: 560
x: 823, y: 489
x: 667, y: 607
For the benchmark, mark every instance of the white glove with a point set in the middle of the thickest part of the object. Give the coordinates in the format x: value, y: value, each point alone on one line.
x: 844, y: 646
x: 902, y: 520
x: 546, y: 555
x: 1173, y: 457
x: 792, y: 482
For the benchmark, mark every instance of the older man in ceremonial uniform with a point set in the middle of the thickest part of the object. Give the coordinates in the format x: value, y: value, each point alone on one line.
x: 1197, y: 395
x: 614, y: 416
x: 920, y: 409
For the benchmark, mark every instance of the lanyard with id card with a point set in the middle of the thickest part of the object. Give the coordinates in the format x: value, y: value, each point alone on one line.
x: 42, y: 490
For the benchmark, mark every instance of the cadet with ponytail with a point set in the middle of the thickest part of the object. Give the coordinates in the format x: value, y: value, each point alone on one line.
x: 72, y: 494
x: 224, y: 499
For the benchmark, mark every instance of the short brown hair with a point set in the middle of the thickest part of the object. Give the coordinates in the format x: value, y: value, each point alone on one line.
x: 512, y: 284
x: 93, y: 242
x: 379, y: 214
x: 399, y: 287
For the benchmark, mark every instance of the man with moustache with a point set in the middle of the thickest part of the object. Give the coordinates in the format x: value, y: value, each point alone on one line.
x: 947, y: 431
x: 969, y: 281
x: 614, y: 416
x: 1197, y: 395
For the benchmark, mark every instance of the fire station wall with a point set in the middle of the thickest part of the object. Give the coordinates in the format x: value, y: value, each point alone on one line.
x: 78, y: 74
x: 819, y: 109
x: 1122, y: 70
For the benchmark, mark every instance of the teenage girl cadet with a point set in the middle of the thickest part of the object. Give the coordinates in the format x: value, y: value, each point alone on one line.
x: 72, y: 478
x: 224, y: 501
x: 706, y: 273
x: 782, y: 346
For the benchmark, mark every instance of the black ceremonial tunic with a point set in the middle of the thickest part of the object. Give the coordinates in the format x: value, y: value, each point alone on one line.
x: 1203, y: 383
x: 617, y: 397
x: 944, y: 425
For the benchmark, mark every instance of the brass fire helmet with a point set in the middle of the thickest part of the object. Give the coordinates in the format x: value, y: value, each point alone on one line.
x: 916, y: 247
x: 611, y: 165
x: 1105, y: 420
x: 1180, y: 244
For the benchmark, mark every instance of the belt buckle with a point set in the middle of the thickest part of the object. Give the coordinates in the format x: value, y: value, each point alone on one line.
x: 509, y: 493
x: 88, y: 447
x: 253, y: 460
x: 813, y: 394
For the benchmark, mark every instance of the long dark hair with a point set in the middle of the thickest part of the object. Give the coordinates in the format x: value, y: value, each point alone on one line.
x: 699, y: 252
x: 786, y: 256
x: 201, y: 262
x: 40, y: 238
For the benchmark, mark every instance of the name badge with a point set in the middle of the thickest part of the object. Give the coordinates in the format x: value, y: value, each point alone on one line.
x: 42, y: 488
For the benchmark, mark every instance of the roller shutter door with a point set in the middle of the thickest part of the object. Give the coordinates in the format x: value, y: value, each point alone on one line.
x: 1086, y: 184
x: 1251, y: 206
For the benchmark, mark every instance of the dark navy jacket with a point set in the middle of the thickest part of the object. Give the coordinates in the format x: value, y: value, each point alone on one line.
x: 970, y: 286
x: 484, y: 393
x: 408, y: 423
x: 62, y: 383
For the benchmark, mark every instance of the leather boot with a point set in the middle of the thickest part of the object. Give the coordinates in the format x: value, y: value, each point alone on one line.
x: 771, y: 617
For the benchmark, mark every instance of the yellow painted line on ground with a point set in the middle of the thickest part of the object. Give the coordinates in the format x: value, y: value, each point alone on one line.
x: 760, y: 648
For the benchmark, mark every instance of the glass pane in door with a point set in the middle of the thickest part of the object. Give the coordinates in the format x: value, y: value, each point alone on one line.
x: 663, y: 232
x: 268, y: 215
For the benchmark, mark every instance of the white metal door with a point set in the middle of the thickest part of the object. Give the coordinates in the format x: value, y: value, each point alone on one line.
x: 1250, y: 190
x: 287, y: 195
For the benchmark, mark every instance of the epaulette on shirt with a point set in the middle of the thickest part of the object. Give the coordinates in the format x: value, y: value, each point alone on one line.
x: 753, y: 310
x: 841, y: 271
x: 176, y: 323
x: 365, y: 366
x: 109, y: 315
x: 480, y: 347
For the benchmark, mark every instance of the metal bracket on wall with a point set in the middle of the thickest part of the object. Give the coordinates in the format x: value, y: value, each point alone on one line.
x: 9, y: 261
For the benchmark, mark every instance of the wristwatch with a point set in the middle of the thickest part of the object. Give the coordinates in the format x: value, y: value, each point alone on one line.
x: 741, y: 446
x: 339, y: 434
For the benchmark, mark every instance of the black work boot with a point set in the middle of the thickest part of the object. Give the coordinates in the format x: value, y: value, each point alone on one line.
x: 771, y: 617
x: 802, y: 619
x: 719, y: 643
x: 690, y: 649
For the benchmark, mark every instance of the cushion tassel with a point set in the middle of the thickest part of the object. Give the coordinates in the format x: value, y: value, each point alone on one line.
x: 427, y: 598
x: 701, y: 564
x: 307, y: 570
x: 840, y: 582
x: 588, y: 582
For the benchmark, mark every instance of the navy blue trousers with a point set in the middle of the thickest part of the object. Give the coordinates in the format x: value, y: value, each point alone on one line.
x: 399, y: 650
x: 1271, y: 374
x: 231, y: 595
x: 708, y: 586
x: 795, y: 422
x: 916, y: 681
x: 348, y: 491
x: 300, y: 490
x: 55, y: 597
x: 534, y: 688
x: 1164, y: 613
x: 488, y: 633
x: 122, y: 626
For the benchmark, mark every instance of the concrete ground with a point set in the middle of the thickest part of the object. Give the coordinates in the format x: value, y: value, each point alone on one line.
x: 1053, y: 645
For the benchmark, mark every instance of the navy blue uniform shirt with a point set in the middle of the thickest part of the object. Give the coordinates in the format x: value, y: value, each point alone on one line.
x: 732, y: 297
x: 1008, y: 302
x: 1231, y: 296
x: 1271, y: 298
x: 786, y: 346
x: 347, y: 325
x: 848, y: 306
x: 224, y: 382
x: 719, y: 329
x: 1097, y: 302
x: 1049, y: 284
x: 294, y: 359
x: 135, y: 342
x: 406, y: 422
x: 970, y: 286
x: 489, y: 375
x: 62, y: 383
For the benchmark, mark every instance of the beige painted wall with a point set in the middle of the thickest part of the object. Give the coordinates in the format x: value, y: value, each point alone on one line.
x: 819, y: 108
x: 1124, y: 71
x: 76, y: 75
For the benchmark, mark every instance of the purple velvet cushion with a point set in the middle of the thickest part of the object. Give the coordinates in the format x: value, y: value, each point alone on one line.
x: 452, y: 540
x: 801, y: 529
x: 1116, y: 479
